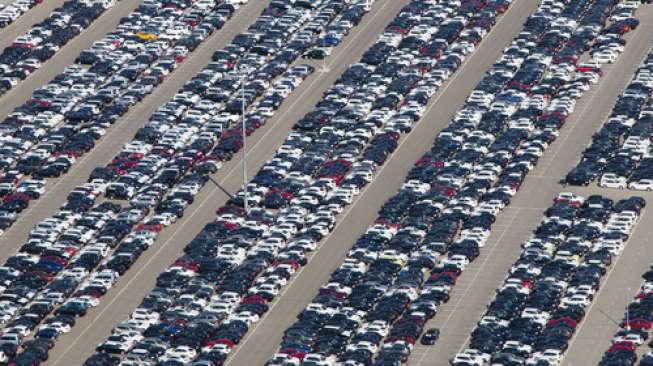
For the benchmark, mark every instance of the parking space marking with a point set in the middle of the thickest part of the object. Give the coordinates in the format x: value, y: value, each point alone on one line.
x: 432, y: 104
x: 236, y: 168
x: 552, y: 184
x: 605, y: 283
x: 134, y: 114
x: 598, y: 293
x: 463, y: 296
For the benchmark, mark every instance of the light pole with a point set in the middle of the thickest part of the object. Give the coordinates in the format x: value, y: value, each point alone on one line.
x: 242, y: 86
x: 627, y: 314
x: 324, y: 68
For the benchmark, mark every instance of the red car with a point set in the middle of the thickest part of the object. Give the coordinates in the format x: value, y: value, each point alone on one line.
x: 637, y: 323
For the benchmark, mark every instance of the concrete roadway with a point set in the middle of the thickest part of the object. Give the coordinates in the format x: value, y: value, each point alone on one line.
x: 125, y: 296
x: 618, y: 288
x: 123, y: 131
x: 65, y: 56
x: 264, y: 338
x: 594, y: 334
x: 475, y: 288
x: 620, y: 285
x: 26, y: 20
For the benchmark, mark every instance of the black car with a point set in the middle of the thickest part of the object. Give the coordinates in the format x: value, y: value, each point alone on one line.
x: 430, y: 336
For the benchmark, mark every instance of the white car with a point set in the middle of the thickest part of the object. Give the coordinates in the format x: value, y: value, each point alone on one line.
x: 58, y: 326
x: 641, y: 185
x: 632, y: 338
x: 552, y: 356
x: 613, y: 181
x: 466, y: 359
x: 181, y: 352
x: 575, y: 300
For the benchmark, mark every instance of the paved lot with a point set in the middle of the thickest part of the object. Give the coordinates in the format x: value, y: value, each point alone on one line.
x: 122, y: 131
x: 264, y: 339
x: 126, y: 295
x: 64, y: 57
x: 475, y: 288
x: 26, y: 20
x: 618, y: 288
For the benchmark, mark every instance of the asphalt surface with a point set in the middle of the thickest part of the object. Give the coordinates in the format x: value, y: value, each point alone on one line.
x: 476, y: 286
x: 618, y: 288
x: 25, y: 21
x: 74, y: 347
x: 264, y: 338
x: 123, y: 131
x: 593, y: 336
x: 104, y: 24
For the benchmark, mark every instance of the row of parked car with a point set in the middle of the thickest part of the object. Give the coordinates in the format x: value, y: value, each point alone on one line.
x: 548, y: 289
x: 10, y: 12
x: 634, y: 329
x: 29, y: 51
x: 45, y: 136
x: 68, y: 261
x: 619, y: 155
x: 239, y: 262
x: 443, y: 214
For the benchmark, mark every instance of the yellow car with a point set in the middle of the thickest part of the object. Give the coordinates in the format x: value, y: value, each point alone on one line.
x: 147, y: 36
